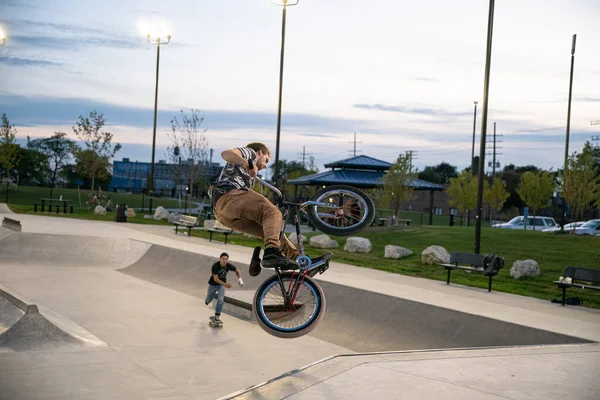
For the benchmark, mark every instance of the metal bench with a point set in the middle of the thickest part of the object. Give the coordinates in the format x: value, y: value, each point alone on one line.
x: 471, y: 262
x: 218, y: 228
x: 187, y: 221
x: 583, y: 278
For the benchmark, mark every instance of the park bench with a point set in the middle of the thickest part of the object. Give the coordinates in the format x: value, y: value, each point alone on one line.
x: 187, y: 221
x: 474, y: 263
x: 583, y: 278
x: 219, y: 228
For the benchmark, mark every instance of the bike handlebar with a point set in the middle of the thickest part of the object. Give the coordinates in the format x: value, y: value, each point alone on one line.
x: 273, y: 188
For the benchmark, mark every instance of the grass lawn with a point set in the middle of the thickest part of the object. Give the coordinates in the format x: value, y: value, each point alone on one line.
x: 553, y: 252
x: 23, y: 199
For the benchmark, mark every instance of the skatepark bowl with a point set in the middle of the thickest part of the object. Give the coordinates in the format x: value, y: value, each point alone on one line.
x: 360, y: 321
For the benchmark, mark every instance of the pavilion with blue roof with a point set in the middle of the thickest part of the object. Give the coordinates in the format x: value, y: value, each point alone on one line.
x: 362, y: 172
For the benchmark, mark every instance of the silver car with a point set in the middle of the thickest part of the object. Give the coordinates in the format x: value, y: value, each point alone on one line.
x: 541, y: 223
x: 568, y: 227
x: 592, y: 227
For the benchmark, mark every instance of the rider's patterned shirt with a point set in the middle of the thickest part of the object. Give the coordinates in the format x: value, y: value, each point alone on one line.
x: 217, y: 269
x: 237, y: 175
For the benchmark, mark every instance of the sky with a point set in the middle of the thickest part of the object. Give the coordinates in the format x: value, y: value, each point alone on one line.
x: 402, y: 75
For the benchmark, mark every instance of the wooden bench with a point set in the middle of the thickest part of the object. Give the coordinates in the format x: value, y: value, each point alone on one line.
x: 187, y: 221
x: 404, y: 221
x: 472, y: 262
x: 219, y: 228
x: 583, y: 278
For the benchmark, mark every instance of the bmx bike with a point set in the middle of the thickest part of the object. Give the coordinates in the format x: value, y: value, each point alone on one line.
x: 290, y: 304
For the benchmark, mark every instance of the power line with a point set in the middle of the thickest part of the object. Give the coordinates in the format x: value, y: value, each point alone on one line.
x: 353, y: 152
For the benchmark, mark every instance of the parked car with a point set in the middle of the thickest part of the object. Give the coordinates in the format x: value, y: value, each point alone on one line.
x: 592, y: 227
x: 567, y: 227
x: 541, y: 223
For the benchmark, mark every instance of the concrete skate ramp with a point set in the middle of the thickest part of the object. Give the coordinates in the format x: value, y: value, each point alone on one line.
x: 184, y: 271
x: 22, y: 327
x: 364, y: 321
x: 4, y: 209
x: 356, y: 319
x: 70, y: 251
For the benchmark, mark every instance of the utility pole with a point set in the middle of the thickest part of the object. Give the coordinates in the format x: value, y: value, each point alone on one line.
x: 493, y: 163
x: 304, y: 154
x: 568, y: 127
x: 353, y: 153
x: 411, y: 156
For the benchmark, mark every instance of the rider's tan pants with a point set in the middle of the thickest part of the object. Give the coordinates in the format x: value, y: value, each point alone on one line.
x: 250, y: 212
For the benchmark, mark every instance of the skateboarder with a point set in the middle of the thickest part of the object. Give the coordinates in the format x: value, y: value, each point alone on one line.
x: 218, y: 282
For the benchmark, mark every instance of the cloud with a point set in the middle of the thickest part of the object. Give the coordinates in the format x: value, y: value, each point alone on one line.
x: 410, y: 110
x: 60, y: 111
x: 28, y: 62
x: 74, y: 43
x: 424, y: 79
x: 589, y: 99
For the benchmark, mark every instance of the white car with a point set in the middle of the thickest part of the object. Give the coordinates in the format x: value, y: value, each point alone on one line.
x: 541, y: 223
x: 592, y: 227
x: 567, y: 227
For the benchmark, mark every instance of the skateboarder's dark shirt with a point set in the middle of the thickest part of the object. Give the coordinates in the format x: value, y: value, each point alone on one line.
x: 221, y: 272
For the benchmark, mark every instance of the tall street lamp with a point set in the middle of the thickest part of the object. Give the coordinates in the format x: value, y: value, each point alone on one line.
x: 484, y: 112
x: 284, y: 4
x: 473, y: 145
x: 568, y: 127
x: 157, y: 41
x: 2, y: 41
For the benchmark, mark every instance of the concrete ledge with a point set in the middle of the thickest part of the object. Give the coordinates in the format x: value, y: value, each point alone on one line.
x: 11, y: 224
x: 24, y: 304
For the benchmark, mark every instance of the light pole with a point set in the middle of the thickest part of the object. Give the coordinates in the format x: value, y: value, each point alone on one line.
x: 284, y: 4
x: 564, y: 203
x: 484, y: 112
x: 155, y: 40
x: 2, y: 42
x: 473, y: 145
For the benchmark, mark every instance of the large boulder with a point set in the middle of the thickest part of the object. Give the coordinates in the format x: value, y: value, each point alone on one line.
x: 294, y: 239
x: 174, y: 217
x: 396, y: 251
x: 161, y: 213
x: 434, y: 255
x: 99, y: 210
x: 357, y: 245
x: 130, y: 213
x: 524, y: 269
x: 323, y: 242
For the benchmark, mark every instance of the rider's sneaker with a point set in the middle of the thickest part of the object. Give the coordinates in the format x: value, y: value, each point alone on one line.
x: 273, y: 258
x: 255, y: 268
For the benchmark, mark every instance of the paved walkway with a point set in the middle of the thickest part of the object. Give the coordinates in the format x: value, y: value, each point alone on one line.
x: 158, y: 343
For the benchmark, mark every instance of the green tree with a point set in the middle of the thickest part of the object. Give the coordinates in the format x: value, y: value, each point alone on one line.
x: 429, y: 174
x: 463, y: 192
x: 32, y: 167
x: 536, y: 190
x: 57, y: 149
x: 94, y: 157
x: 581, y: 183
x: 496, y: 195
x: 397, y: 184
x: 8, y: 149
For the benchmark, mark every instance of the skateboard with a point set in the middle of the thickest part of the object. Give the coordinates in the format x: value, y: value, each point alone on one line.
x: 215, y: 324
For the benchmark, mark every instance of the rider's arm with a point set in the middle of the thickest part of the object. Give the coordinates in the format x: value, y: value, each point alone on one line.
x: 234, y: 156
x: 217, y: 280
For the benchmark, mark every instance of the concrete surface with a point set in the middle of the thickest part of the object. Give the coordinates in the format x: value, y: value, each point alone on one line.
x: 158, y: 345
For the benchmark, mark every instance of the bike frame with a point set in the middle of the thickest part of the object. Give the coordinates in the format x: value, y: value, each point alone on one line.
x: 294, y: 209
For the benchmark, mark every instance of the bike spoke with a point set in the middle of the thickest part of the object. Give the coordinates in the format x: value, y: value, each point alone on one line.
x: 289, y: 315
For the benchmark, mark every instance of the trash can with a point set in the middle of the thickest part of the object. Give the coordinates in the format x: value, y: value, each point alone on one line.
x: 121, y: 213
x: 451, y: 219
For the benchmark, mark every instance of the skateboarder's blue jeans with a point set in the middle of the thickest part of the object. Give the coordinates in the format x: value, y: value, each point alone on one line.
x: 217, y: 291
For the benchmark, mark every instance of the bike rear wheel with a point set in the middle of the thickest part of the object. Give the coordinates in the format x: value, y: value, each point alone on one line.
x: 290, y: 320
x: 353, y: 210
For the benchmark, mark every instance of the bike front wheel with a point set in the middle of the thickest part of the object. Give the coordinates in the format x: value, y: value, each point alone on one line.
x: 288, y: 319
x: 345, y: 210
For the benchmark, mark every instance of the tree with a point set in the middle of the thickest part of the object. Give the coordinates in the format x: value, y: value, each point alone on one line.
x: 463, y: 192
x: 429, y: 174
x: 581, y: 186
x: 188, y: 136
x: 57, y: 149
x: 496, y: 195
x: 446, y: 172
x: 536, y: 190
x: 32, y: 167
x: 93, y: 159
x: 289, y: 170
x: 397, y: 188
x: 8, y: 148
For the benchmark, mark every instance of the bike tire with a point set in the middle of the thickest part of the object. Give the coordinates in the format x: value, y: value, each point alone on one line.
x: 355, y: 213
x: 264, y: 313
